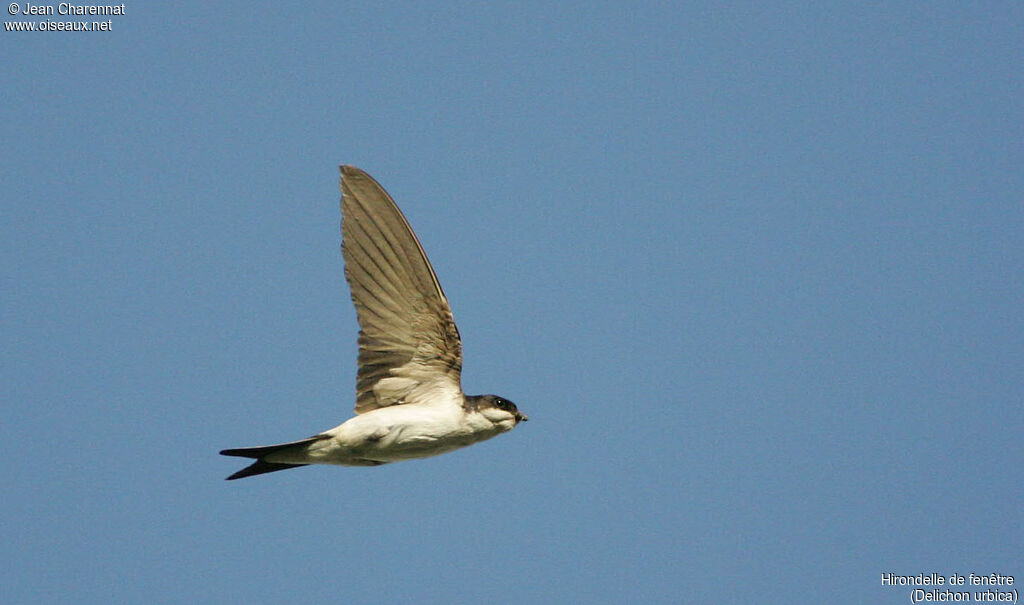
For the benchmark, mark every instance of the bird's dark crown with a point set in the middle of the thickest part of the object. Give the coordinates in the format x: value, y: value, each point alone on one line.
x: 475, y: 402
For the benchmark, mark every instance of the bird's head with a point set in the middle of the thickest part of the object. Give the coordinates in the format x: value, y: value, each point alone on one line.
x: 498, y: 410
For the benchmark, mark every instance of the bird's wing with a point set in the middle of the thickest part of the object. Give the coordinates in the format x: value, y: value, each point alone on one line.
x: 409, y: 347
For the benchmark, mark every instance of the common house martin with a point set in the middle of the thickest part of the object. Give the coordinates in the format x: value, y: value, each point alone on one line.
x: 409, y: 399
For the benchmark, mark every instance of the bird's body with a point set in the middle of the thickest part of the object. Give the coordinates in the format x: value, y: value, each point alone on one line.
x: 409, y: 401
x: 393, y: 434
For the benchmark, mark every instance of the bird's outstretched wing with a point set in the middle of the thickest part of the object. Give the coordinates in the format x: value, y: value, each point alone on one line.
x: 409, y: 347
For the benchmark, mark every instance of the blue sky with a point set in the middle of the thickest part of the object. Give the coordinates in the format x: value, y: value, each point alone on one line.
x: 754, y: 272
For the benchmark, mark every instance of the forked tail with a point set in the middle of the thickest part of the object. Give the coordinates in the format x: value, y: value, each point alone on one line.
x: 259, y: 453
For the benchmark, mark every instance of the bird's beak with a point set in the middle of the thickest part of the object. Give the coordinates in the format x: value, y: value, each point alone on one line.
x: 521, y: 417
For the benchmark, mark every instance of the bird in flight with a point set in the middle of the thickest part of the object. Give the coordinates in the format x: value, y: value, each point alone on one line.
x: 409, y: 399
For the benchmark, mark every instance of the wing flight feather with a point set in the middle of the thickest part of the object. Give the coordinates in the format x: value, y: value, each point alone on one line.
x: 409, y: 346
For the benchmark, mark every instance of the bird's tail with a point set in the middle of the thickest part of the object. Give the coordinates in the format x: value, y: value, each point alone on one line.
x: 259, y: 453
